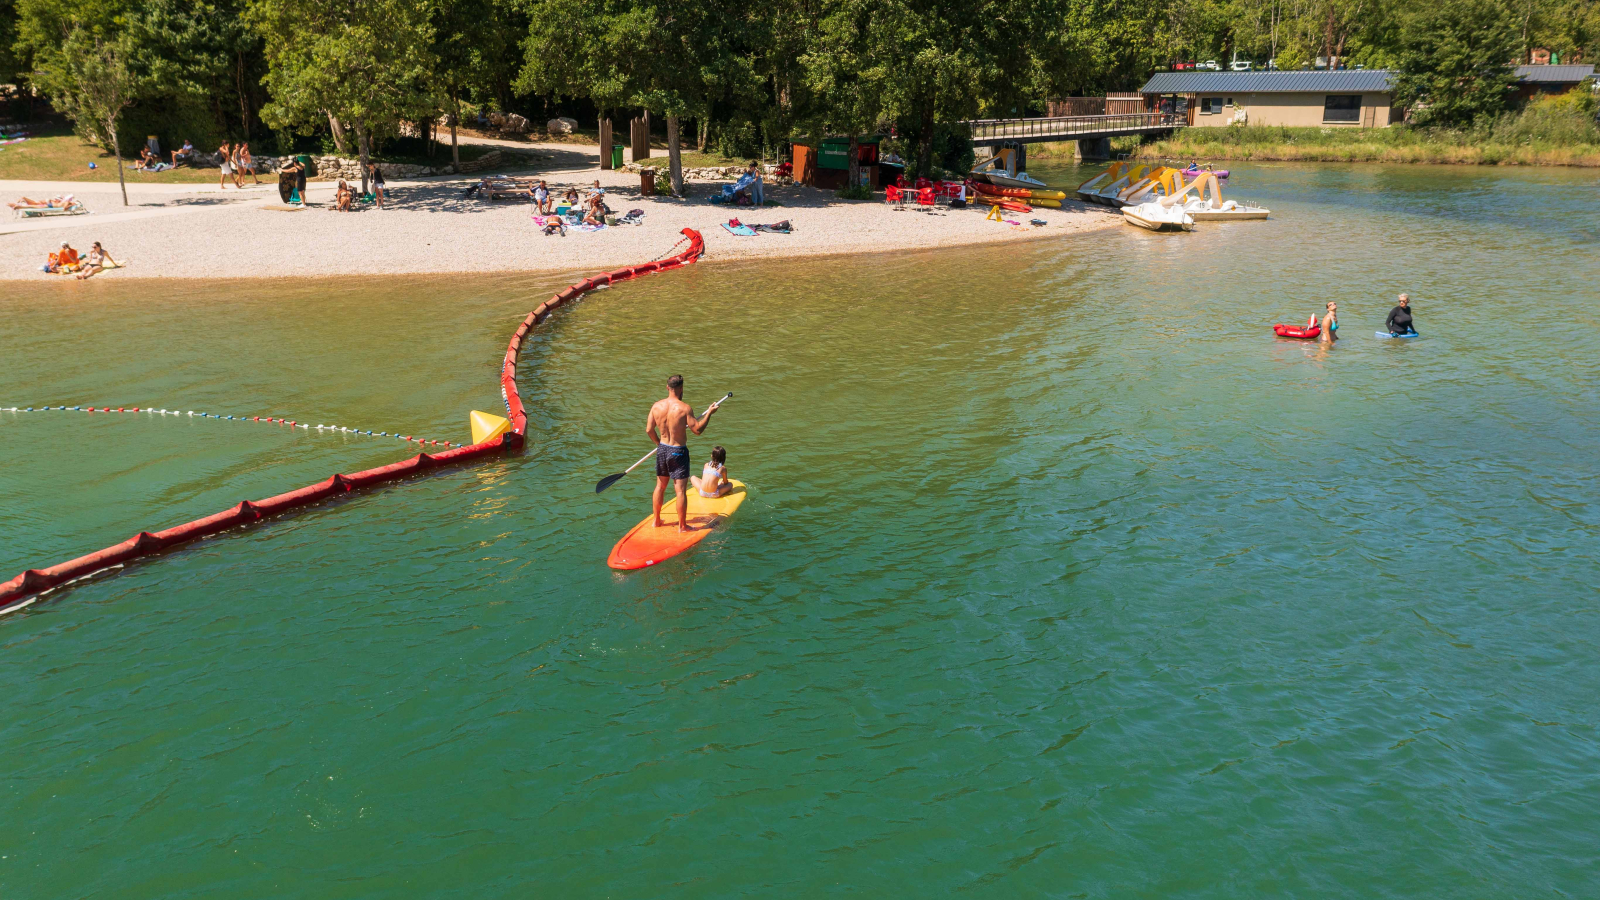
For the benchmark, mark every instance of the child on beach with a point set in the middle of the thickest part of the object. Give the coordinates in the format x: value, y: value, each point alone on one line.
x: 713, y: 480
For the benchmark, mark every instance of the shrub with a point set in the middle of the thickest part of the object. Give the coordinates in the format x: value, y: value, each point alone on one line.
x: 858, y: 192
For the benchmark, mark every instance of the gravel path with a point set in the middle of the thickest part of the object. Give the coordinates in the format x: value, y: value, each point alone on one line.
x: 198, y: 231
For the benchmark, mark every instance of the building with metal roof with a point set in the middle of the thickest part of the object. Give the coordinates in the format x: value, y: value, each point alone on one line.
x: 1566, y: 76
x: 1351, y: 98
x: 1308, y: 81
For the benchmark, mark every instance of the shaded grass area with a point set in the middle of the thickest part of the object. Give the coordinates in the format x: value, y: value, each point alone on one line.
x: 54, y: 153
x: 1535, y: 137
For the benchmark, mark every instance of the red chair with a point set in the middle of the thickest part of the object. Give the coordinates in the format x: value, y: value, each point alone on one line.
x: 925, y: 196
x: 891, y: 194
x: 923, y: 182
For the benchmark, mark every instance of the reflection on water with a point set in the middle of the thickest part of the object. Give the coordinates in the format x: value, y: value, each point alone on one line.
x: 1060, y: 574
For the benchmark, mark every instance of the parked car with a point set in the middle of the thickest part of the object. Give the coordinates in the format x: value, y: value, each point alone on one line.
x: 1240, y: 65
x: 1210, y: 65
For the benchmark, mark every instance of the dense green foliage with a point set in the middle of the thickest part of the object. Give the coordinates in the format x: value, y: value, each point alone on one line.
x: 1452, y: 61
x: 742, y: 78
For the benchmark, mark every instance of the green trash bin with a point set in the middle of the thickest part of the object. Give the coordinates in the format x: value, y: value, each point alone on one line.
x: 616, y: 156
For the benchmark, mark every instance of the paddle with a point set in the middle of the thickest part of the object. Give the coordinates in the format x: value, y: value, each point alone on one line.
x: 609, y: 480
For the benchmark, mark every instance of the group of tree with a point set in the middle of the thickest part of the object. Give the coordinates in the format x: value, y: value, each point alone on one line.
x: 748, y: 76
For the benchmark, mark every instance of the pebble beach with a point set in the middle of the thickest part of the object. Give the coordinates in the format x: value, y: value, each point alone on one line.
x: 429, y: 226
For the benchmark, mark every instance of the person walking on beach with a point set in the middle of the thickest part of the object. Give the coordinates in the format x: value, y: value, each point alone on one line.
x: 668, y: 426
x: 1330, y: 324
x: 1400, y: 320
x: 244, y: 162
x: 377, y: 186
x: 225, y: 152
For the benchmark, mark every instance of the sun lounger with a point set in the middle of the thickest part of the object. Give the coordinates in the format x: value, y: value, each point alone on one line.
x: 75, y: 208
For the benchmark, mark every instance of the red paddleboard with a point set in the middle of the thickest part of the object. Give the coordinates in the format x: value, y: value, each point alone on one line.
x: 647, y: 545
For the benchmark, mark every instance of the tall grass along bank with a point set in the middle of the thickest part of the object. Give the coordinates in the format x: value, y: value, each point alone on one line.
x: 1559, y: 131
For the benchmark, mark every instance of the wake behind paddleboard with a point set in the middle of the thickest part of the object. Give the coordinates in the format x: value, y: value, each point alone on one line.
x: 1390, y: 334
x: 647, y: 545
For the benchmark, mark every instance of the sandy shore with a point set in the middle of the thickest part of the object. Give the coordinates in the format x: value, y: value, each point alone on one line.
x: 199, y: 231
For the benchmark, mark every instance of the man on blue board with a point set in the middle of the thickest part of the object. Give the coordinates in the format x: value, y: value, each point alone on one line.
x: 668, y: 426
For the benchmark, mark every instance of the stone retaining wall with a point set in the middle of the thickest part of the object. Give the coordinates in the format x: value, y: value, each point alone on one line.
x: 710, y: 173
x: 350, y: 169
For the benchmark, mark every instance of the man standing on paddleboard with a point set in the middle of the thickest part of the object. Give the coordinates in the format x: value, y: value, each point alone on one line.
x: 669, y: 425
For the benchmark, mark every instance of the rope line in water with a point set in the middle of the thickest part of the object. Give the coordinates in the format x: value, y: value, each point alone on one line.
x: 292, y: 423
x: 24, y: 589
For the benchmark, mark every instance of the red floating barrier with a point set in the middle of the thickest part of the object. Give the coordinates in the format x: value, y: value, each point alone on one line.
x: 145, y: 543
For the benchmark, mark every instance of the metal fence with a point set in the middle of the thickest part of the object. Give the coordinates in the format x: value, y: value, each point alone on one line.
x: 1062, y: 127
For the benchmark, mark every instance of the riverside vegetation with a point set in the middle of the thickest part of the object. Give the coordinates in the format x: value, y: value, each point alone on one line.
x: 293, y: 75
x: 1555, y: 130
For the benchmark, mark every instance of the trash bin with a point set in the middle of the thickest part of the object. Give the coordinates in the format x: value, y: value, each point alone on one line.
x: 647, y: 181
x: 616, y: 156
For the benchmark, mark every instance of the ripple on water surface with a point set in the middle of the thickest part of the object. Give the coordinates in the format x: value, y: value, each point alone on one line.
x: 1059, y: 574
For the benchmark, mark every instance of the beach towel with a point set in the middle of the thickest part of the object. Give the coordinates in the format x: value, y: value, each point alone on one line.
x: 740, y: 230
x: 589, y: 227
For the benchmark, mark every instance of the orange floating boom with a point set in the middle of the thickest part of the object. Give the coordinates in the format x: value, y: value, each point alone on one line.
x: 21, y: 590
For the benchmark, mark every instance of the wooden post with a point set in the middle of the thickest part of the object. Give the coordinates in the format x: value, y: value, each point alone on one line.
x: 641, y: 138
x: 605, y: 141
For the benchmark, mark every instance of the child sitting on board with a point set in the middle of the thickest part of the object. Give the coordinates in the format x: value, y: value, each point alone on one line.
x: 713, y: 481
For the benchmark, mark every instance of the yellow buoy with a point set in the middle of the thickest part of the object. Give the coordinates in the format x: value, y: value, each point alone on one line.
x: 487, y: 426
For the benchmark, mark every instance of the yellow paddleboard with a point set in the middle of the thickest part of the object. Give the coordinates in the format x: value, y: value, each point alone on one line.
x: 647, y: 545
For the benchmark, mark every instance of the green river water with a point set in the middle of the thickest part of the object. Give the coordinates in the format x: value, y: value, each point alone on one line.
x: 1060, y: 576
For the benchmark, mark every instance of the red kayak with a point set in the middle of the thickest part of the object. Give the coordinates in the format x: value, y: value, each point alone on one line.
x: 997, y: 191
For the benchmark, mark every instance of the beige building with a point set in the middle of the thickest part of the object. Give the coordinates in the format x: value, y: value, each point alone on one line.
x: 1345, y: 98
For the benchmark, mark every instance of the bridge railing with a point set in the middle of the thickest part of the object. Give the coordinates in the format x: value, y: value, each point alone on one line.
x: 1062, y: 126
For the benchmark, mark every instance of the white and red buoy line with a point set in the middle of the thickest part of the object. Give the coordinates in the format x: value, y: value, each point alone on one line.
x: 271, y: 420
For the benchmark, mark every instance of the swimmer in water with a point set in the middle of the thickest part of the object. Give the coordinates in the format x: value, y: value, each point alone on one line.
x: 1330, y: 324
x: 1400, y: 321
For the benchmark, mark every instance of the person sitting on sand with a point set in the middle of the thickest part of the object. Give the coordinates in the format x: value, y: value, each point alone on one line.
x: 571, y: 199
x: 184, y: 154
x: 147, y: 161
x: 343, y: 197
x: 597, y: 209
x: 713, y: 480
x: 62, y: 261
x: 95, y: 263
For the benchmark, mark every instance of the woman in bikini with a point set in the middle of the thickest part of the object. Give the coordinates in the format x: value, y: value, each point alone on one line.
x: 96, y: 261
x: 1330, y: 324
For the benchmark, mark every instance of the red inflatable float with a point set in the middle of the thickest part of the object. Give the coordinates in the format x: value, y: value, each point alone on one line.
x: 20, y: 590
x: 1309, y: 331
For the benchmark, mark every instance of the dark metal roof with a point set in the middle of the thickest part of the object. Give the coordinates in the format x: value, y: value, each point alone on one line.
x: 1558, y: 74
x: 1313, y: 81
